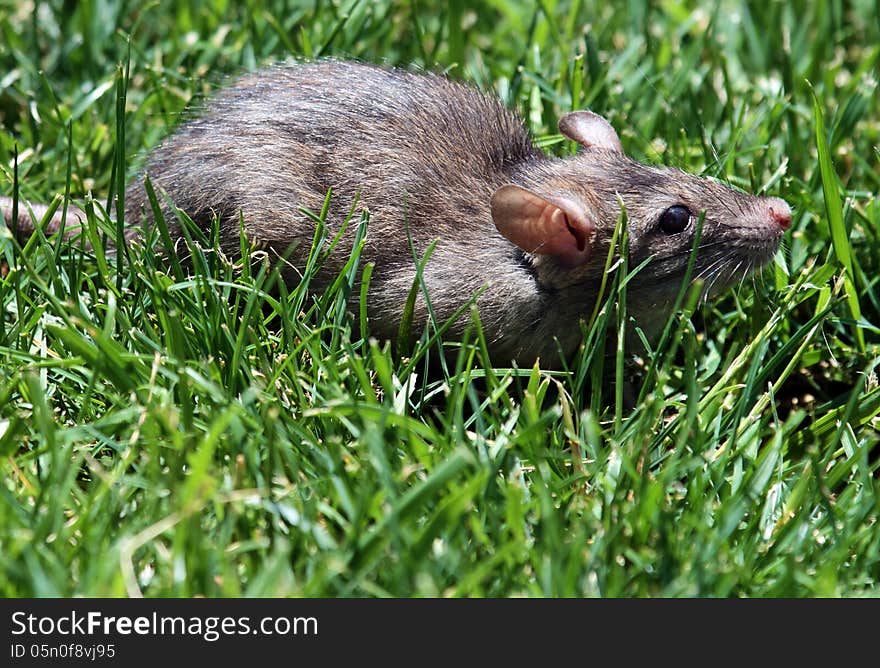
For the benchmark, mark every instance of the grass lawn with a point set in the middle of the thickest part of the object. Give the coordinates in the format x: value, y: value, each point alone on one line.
x: 165, y: 434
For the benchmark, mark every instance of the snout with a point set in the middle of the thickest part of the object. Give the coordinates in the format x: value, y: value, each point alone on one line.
x: 778, y: 211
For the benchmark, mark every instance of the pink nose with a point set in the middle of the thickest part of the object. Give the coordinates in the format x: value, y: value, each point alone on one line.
x: 780, y: 212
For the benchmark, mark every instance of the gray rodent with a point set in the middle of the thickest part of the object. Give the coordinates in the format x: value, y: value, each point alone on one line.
x: 455, y: 166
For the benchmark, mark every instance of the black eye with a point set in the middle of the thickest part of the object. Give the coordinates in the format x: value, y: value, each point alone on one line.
x: 675, y: 219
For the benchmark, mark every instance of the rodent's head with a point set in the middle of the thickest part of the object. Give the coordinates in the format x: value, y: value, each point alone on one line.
x: 563, y: 214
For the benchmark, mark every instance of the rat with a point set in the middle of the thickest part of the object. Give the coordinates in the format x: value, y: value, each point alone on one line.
x: 437, y: 161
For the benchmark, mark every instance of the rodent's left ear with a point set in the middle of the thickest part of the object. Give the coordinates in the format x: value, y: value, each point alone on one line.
x: 547, y: 225
x: 590, y: 131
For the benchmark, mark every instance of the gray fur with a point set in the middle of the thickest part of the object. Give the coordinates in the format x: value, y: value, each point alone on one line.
x: 427, y: 152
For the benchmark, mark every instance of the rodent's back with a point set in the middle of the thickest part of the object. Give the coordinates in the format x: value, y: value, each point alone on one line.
x: 282, y: 136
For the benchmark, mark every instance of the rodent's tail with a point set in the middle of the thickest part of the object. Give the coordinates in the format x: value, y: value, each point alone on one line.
x: 23, y: 227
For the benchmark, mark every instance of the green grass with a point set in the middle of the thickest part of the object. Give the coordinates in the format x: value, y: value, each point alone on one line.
x: 214, y: 433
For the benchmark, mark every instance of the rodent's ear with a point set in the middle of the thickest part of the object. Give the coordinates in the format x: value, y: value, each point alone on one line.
x: 556, y: 226
x: 590, y: 130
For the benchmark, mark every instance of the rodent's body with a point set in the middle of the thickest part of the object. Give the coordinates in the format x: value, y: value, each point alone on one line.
x: 418, y: 150
x: 449, y: 165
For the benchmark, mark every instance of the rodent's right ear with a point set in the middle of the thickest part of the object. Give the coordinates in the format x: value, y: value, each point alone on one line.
x: 590, y: 131
x: 553, y: 225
